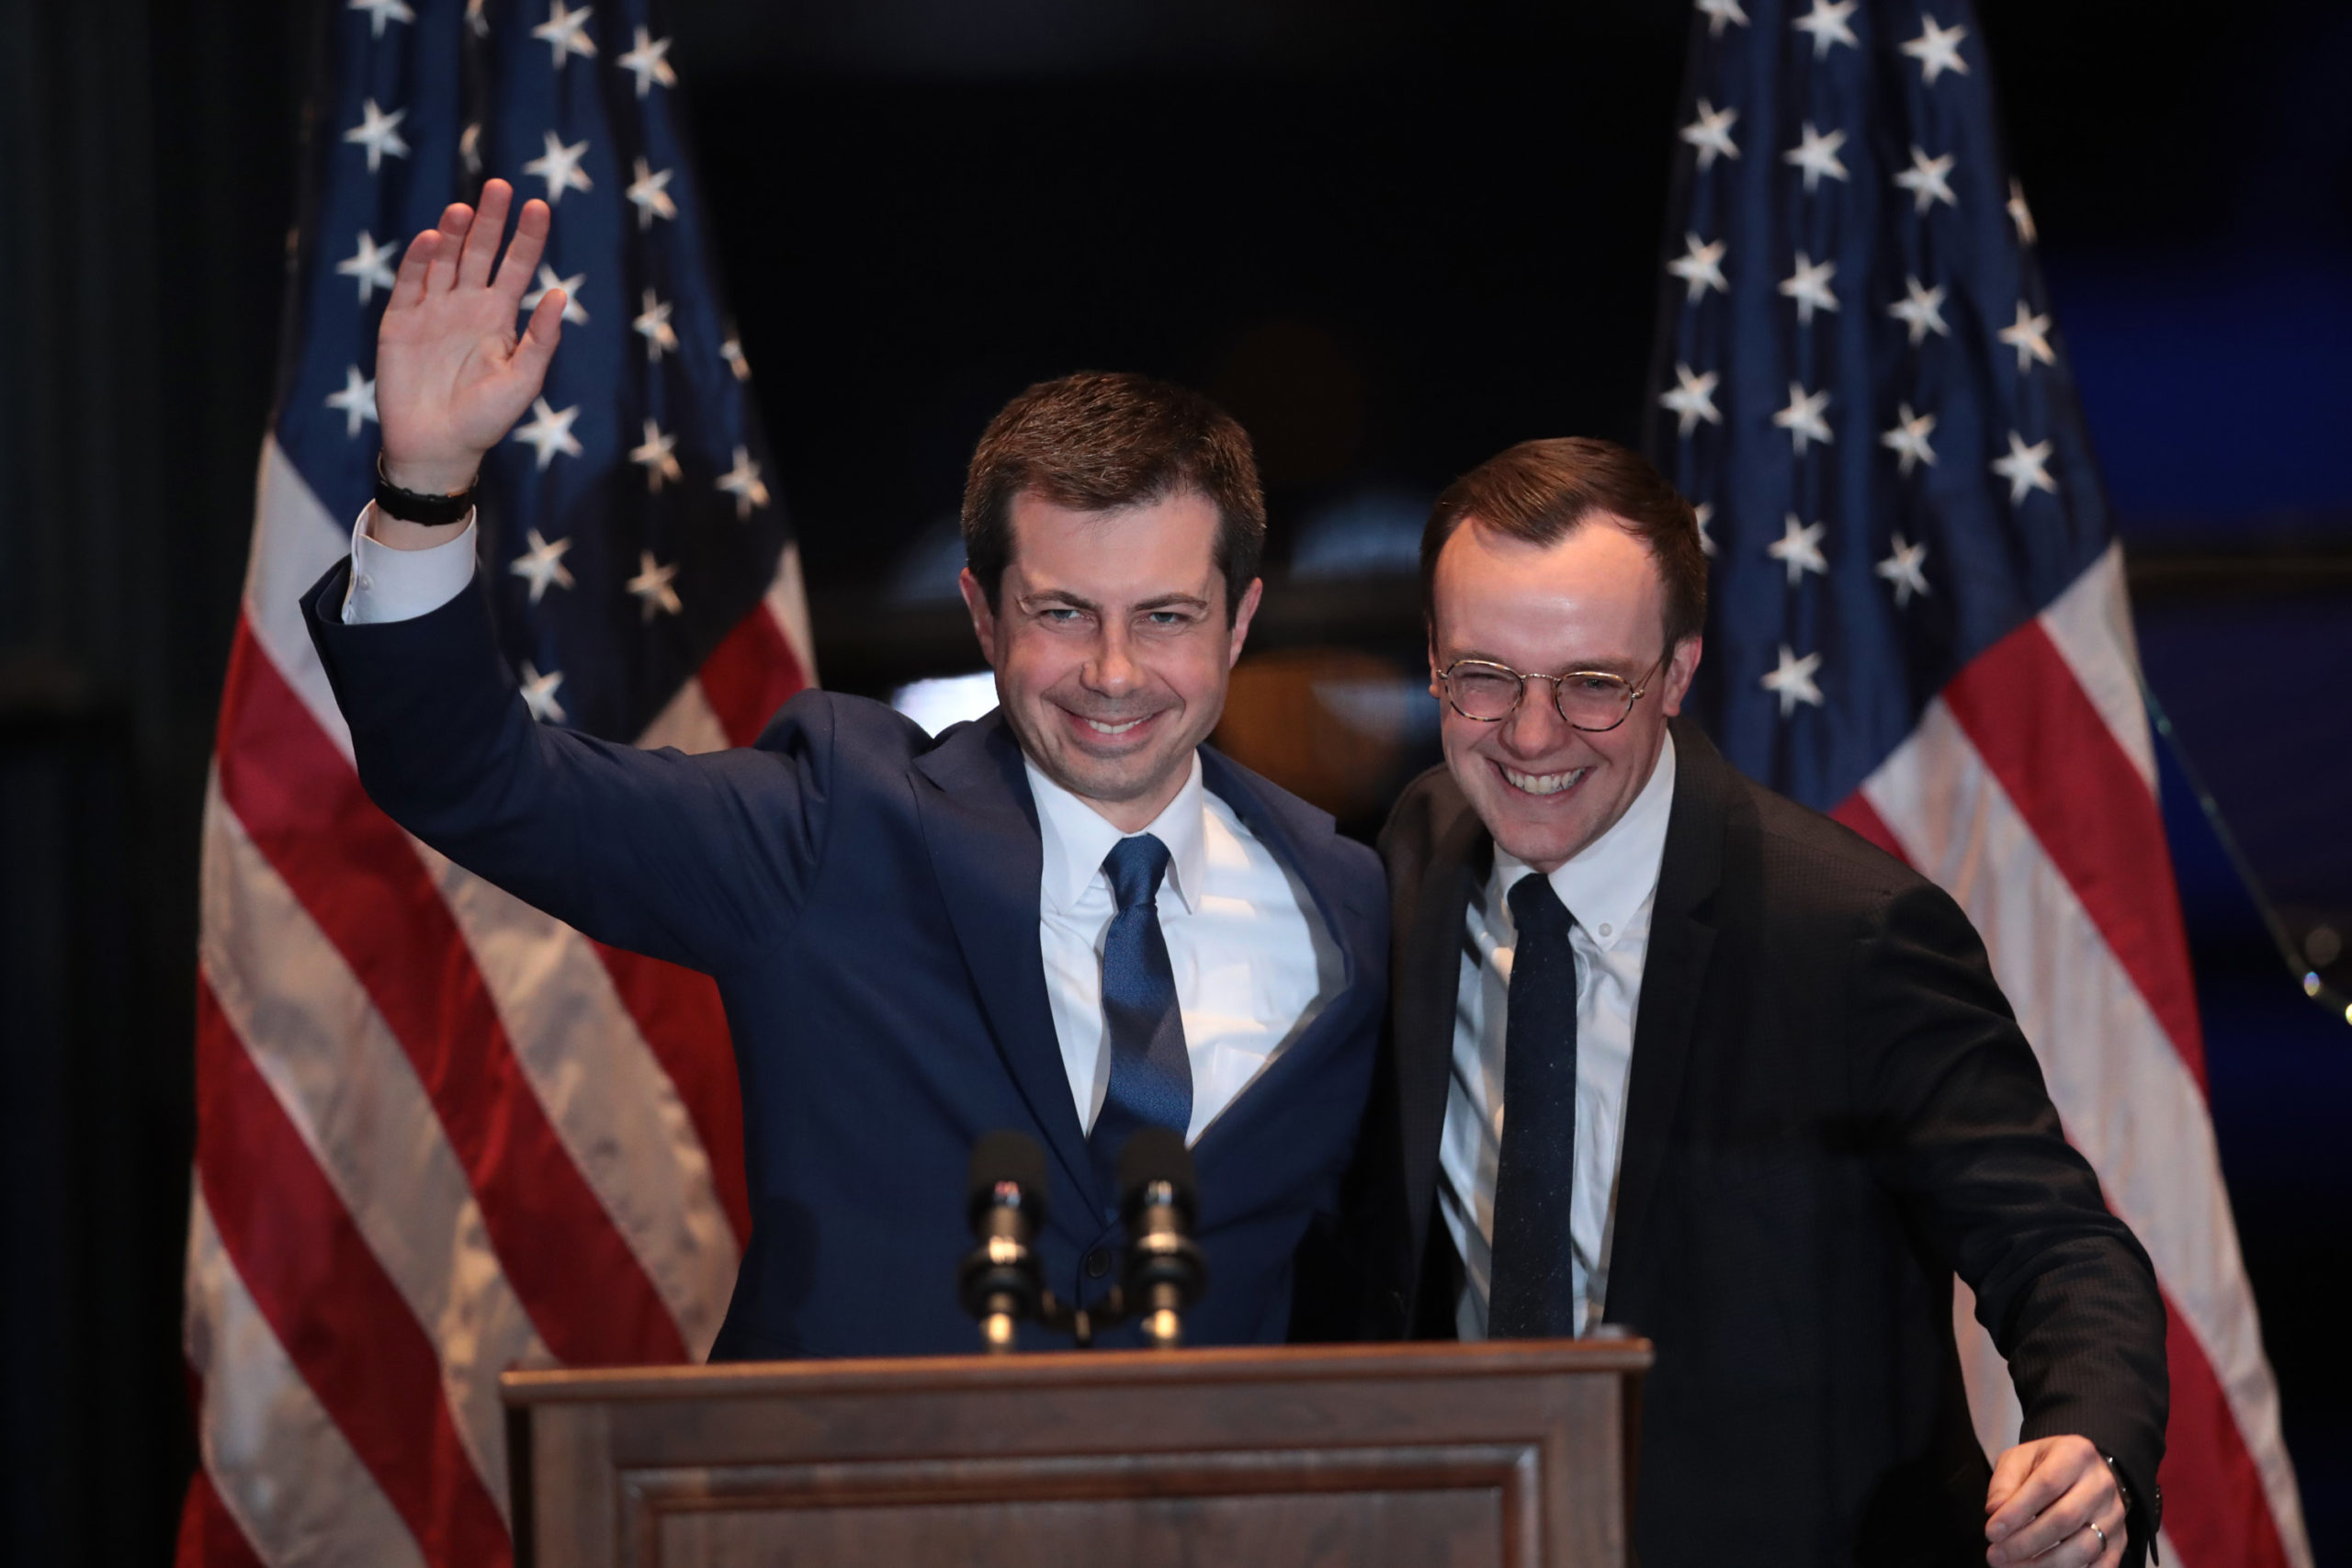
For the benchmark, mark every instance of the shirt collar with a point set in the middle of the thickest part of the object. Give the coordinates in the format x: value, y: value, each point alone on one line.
x: 1076, y: 838
x: 1608, y: 881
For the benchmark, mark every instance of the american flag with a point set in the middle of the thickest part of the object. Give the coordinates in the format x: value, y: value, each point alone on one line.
x: 438, y: 1133
x: 1920, y: 625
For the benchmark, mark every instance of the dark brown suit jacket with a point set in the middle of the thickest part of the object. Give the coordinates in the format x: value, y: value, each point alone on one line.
x: 1830, y: 1113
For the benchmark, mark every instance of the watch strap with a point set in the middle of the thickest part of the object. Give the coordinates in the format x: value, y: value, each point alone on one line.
x: 421, y: 507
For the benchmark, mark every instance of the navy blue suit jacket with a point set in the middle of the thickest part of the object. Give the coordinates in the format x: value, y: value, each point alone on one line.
x: 866, y: 898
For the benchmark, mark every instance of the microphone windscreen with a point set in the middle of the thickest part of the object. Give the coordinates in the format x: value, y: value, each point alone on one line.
x: 1156, y: 1154
x: 1007, y: 1155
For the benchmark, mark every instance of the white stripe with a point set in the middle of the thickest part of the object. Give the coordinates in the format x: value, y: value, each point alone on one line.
x: 277, y: 1460
x: 354, y: 1096
x: 687, y: 722
x: 294, y: 543
x: 2127, y: 1098
x: 787, y: 601
x: 2091, y: 624
x: 605, y: 1094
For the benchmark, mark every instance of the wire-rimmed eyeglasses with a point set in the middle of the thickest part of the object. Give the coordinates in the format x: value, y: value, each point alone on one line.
x: 1590, y: 700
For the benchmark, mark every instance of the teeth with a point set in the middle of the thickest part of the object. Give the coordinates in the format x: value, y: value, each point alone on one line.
x: 1545, y: 783
x: 1100, y: 728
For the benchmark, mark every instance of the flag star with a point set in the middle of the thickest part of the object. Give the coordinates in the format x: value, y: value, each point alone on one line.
x: 357, y: 402
x: 742, y: 482
x: 1909, y: 438
x: 1802, y: 419
x: 542, y: 564
x: 379, y: 133
x: 732, y: 351
x: 651, y: 195
x: 1691, y: 399
x: 561, y: 166
x: 1799, y: 549
x: 1809, y: 286
x: 1711, y: 133
x: 1718, y: 12
x: 1702, y: 514
x: 564, y: 31
x: 2021, y: 214
x: 649, y: 60
x: 2026, y: 468
x: 1703, y: 269
x: 550, y: 432
x: 570, y: 286
x: 1827, y: 23
x: 657, y: 456
x: 651, y: 584
x: 1928, y: 179
x: 1921, y: 309
x: 2029, y: 338
x: 371, y: 264
x: 470, y: 148
x: 381, y: 11
x: 1904, y: 568
x: 1817, y: 156
x: 538, y: 694
x: 1937, y: 49
x: 1792, y: 682
x: 653, y: 326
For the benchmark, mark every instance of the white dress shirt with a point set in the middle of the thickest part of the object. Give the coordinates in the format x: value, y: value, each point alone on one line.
x: 1253, y: 962
x: 1609, y: 888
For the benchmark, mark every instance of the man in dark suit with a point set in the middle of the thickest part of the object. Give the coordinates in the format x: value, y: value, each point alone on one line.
x: 1673, y: 1053
x: 1070, y: 918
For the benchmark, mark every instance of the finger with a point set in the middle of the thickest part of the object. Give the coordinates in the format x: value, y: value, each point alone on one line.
x: 2062, y: 1522
x: 456, y: 218
x: 408, y: 285
x: 2009, y: 1474
x: 481, y: 240
x: 540, y: 338
x: 522, y: 252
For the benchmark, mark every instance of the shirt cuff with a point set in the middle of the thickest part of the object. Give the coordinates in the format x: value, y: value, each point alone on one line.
x: 399, y: 585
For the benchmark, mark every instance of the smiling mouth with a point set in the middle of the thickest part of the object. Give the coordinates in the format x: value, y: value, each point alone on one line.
x: 1543, y: 784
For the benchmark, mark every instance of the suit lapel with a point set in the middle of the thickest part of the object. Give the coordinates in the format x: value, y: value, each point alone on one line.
x: 1682, y: 938
x: 1428, y: 912
x: 980, y: 826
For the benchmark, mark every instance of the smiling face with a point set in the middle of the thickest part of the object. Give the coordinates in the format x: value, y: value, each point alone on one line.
x: 1111, y: 646
x: 1593, y: 601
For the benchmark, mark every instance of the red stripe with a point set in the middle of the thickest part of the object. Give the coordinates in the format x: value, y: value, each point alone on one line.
x: 679, y: 1013
x: 208, y: 1537
x: 359, y: 877
x: 338, y: 1314
x: 2215, y: 1509
x: 2091, y: 811
x: 1856, y: 812
x: 749, y: 676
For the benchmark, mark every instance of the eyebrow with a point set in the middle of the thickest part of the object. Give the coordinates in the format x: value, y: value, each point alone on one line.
x: 1062, y: 596
x: 1626, y: 668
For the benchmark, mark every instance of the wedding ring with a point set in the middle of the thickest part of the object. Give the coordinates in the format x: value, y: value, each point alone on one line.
x: 2102, y: 1539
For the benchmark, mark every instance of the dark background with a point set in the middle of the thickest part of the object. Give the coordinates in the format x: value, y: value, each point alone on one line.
x: 1393, y: 236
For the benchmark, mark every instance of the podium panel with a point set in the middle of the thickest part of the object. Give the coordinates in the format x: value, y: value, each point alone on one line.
x: 1513, y: 1455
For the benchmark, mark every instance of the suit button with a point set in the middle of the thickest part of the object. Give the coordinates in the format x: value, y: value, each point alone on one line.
x: 1098, y: 1263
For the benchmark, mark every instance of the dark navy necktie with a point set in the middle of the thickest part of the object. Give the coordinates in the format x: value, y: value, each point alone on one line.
x: 1151, y: 1076
x: 1531, y: 1292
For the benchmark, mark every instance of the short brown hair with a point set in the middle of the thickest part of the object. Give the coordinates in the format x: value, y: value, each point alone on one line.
x: 1098, y: 442
x: 1541, y: 492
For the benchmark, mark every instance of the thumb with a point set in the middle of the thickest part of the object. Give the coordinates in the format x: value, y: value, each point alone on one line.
x: 2009, y: 1474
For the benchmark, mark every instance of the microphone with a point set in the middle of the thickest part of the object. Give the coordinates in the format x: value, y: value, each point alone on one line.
x: 1165, y: 1271
x: 1004, y: 1202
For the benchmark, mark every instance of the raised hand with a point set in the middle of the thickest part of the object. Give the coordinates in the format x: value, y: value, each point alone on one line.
x: 452, y: 376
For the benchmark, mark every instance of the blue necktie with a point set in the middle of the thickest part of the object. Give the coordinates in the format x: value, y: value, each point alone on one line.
x: 1151, y: 1076
x: 1531, y: 1292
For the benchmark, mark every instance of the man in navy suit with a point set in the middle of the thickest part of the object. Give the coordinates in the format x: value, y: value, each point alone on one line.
x: 1070, y: 918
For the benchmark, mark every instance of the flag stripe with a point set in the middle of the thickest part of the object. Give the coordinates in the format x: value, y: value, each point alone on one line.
x: 208, y: 1535
x: 375, y: 903
x: 1856, y: 812
x: 2217, y: 1508
x: 317, y: 1285
x: 679, y: 1014
x: 749, y: 675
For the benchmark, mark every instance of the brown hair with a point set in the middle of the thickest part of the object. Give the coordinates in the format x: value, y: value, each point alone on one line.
x: 1541, y: 492
x: 1098, y: 442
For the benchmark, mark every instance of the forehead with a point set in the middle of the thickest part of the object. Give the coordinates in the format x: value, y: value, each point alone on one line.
x: 1131, y: 553
x: 1591, y: 598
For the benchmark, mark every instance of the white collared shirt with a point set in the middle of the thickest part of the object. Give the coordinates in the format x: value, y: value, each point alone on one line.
x: 1609, y: 888
x: 1252, y: 961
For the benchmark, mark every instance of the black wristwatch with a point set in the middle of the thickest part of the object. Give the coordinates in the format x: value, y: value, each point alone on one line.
x: 421, y: 507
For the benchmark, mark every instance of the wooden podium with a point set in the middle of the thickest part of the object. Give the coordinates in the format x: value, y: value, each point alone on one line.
x: 1508, y: 1454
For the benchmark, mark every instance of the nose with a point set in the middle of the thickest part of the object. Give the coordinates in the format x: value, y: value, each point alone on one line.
x: 1112, y: 670
x: 1535, y: 727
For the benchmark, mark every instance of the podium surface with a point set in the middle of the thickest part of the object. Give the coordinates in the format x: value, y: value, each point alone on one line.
x: 1504, y: 1453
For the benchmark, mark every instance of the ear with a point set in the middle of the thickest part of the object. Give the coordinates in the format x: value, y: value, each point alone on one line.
x: 984, y: 620
x: 1241, y: 617
x: 1437, y: 687
x: 1676, y: 685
